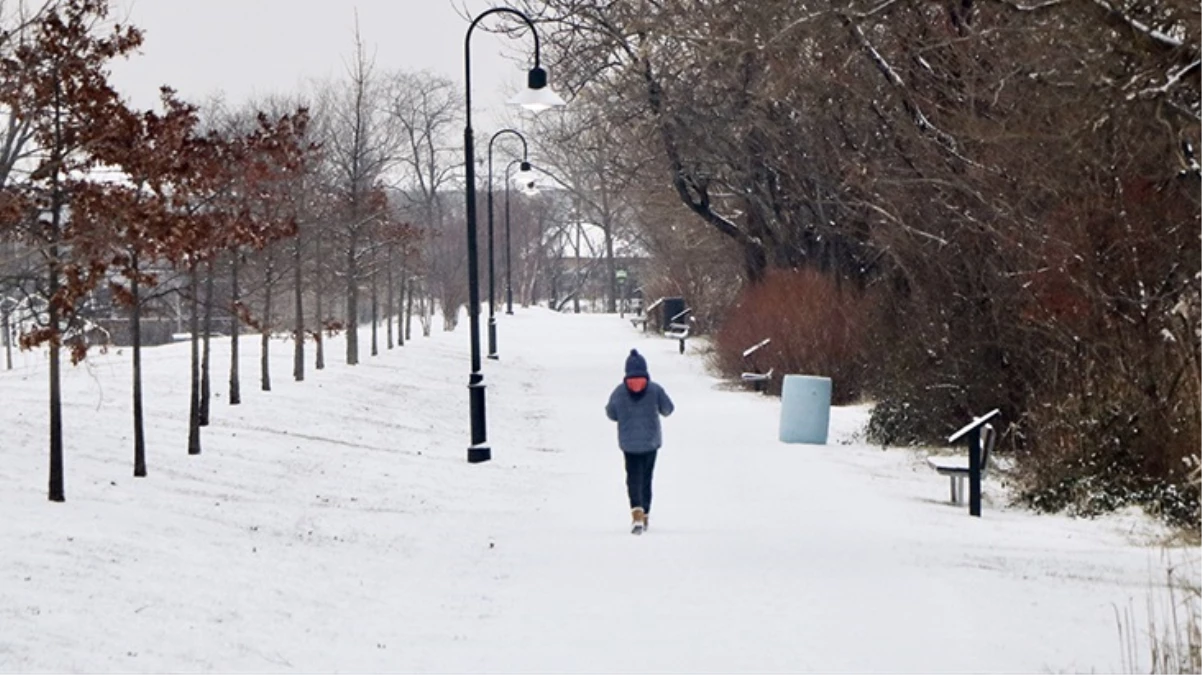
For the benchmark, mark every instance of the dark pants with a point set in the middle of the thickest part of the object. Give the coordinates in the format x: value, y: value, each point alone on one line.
x: 639, y: 467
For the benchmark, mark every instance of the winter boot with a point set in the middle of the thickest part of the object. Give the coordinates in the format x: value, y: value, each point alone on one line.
x: 646, y: 521
x: 639, y: 519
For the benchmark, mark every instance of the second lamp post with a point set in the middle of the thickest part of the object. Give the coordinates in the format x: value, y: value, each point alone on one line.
x: 492, y: 293
x: 528, y: 189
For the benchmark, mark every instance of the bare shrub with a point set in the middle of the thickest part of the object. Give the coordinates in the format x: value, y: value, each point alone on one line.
x: 817, y: 327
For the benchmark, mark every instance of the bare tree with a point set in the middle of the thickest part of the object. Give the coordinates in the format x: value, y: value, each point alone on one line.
x: 18, y: 133
x: 426, y: 109
x: 360, y: 147
x: 578, y: 149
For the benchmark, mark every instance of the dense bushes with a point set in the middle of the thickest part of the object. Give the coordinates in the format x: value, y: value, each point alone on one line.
x: 1119, y: 424
x: 1083, y: 328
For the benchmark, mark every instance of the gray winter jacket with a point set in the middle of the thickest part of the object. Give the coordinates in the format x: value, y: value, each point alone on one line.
x: 638, y: 417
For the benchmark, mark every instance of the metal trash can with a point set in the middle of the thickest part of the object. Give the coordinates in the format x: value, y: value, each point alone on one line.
x: 805, y: 409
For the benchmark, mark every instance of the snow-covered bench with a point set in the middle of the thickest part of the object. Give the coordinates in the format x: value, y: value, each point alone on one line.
x: 754, y: 376
x: 956, y: 468
x: 678, y: 327
x: 677, y: 331
x: 644, y: 318
x: 651, y: 308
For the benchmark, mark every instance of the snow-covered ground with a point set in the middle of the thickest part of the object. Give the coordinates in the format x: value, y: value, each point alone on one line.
x: 334, y: 525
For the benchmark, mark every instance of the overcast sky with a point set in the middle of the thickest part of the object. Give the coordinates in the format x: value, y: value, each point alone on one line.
x: 242, y: 48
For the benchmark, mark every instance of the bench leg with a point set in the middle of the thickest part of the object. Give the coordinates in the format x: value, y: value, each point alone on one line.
x: 952, y: 480
x: 957, y: 489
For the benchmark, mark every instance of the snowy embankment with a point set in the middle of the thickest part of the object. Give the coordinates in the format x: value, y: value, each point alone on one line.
x: 334, y: 524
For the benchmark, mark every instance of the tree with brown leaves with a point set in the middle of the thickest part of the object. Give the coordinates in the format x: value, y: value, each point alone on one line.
x: 56, y: 82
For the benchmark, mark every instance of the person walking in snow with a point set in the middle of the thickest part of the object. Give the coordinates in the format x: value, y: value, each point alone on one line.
x: 636, y: 405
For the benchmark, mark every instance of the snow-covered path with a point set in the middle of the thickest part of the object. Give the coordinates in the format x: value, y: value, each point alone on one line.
x: 334, y: 524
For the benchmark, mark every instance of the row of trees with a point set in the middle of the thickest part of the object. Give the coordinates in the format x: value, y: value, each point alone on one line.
x: 98, y: 195
x: 1014, y: 183
x: 304, y: 213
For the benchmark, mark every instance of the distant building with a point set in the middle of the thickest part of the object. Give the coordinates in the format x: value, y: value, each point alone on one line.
x: 577, y: 270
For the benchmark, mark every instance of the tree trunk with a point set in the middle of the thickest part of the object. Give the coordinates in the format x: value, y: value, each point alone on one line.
x: 135, y: 329
x: 206, y: 392
x: 235, y: 331
x: 408, y: 285
x: 319, y: 334
x: 298, y: 332
x: 265, y: 332
x: 529, y: 276
x: 402, y: 325
x: 194, y: 408
x: 375, y: 316
x: 427, y: 313
x: 352, y: 304
x: 390, y: 302
x: 611, y: 268
x: 577, y: 282
x: 319, y: 349
x: 57, y: 490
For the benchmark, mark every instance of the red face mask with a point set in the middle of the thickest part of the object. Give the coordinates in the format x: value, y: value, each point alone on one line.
x: 636, y: 384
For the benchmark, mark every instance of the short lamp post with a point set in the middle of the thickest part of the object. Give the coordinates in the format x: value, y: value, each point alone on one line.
x: 528, y: 188
x: 536, y: 97
x: 492, y: 293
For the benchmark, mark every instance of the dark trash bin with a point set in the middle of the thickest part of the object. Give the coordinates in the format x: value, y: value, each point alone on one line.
x: 670, y: 308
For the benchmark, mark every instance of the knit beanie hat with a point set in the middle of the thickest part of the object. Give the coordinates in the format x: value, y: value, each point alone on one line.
x: 636, y: 365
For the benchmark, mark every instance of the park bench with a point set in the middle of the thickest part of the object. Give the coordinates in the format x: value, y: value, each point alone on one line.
x: 678, y: 327
x: 755, y: 376
x: 982, y: 438
x: 642, y: 320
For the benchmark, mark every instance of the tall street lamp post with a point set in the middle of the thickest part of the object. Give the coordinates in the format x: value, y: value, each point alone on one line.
x: 536, y: 97
x: 492, y: 316
x: 528, y: 189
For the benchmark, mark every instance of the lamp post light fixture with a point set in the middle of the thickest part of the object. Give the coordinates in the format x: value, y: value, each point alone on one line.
x: 527, y: 188
x: 525, y: 178
x: 492, y: 316
x: 537, y: 97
